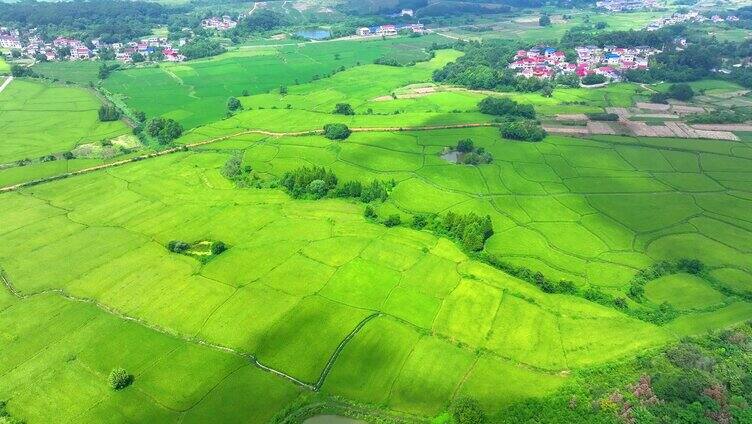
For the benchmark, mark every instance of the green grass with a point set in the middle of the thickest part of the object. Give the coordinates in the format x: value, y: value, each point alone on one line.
x: 4, y: 66
x: 39, y: 119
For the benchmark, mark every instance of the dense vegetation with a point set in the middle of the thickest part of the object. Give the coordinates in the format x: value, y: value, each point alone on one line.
x: 202, y: 47
x: 318, y: 182
x: 164, y: 130
x: 110, y: 20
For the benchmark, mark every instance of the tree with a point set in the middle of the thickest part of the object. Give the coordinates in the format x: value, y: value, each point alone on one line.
x: 137, y: 57
x: 172, y: 130
x: 140, y: 116
x: 544, y: 20
x: 336, y: 131
x: 466, y: 410
x: 119, y: 379
x: 465, y: 145
x: 218, y: 247
x: 369, y: 212
x: 593, y: 79
x: 108, y: 113
x: 317, y: 188
x: 283, y: 90
x: 681, y: 92
x: 155, y: 126
x: 343, y: 109
x: 233, y: 104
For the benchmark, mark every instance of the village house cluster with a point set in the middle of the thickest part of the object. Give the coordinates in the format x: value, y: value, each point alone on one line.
x: 626, y: 5
x: 389, y: 30
x: 64, y: 48
x: 609, y: 61
x: 223, y: 23
x: 689, y: 17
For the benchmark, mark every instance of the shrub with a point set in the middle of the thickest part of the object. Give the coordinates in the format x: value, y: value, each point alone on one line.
x: 343, y: 109
x: 593, y: 79
x: 218, y: 247
x: 336, y: 131
x: 603, y: 116
x: 522, y: 130
x: 369, y: 212
x: 119, y: 379
x: 177, y: 246
x: 544, y: 20
x: 393, y: 220
x: 466, y: 410
x: 419, y: 222
x: 691, y: 266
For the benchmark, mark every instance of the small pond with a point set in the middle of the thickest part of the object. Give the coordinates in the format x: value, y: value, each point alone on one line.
x: 314, y: 33
x: 452, y: 156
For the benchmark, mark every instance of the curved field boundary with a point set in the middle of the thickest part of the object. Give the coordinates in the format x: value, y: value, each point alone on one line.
x: 185, y: 147
x: 341, y: 347
x: 313, y: 387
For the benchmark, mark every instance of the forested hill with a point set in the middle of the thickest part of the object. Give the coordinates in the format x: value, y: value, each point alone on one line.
x: 90, y: 19
x: 434, y: 8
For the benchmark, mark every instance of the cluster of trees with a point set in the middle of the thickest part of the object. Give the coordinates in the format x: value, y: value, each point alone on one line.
x: 19, y: 71
x: 119, y: 379
x: 721, y: 116
x: 315, y: 182
x: 471, y: 155
x: 108, y: 113
x: 201, y: 47
x: 164, y: 130
x: 262, y: 20
x: 109, y: 20
x: 517, y: 121
x: 681, y: 92
x: 470, y: 230
x: 318, y: 182
x: 376, y: 190
x: 234, y: 170
x: 336, y: 131
x: 105, y: 69
x: 522, y: 130
x: 506, y: 107
x: 593, y: 79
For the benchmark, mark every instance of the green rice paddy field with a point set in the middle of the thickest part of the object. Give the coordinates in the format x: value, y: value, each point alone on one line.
x: 312, y: 295
x: 196, y: 92
x: 39, y: 118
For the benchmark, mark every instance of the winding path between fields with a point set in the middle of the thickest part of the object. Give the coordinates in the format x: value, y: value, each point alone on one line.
x: 194, y: 340
x: 6, y: 83
x: 186, y: 147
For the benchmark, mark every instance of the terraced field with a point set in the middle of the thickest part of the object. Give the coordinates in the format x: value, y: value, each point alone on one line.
x: 196, y: 93
x: 312, y: 300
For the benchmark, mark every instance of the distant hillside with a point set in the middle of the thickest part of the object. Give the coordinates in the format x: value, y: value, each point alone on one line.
x: 435, y: 7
